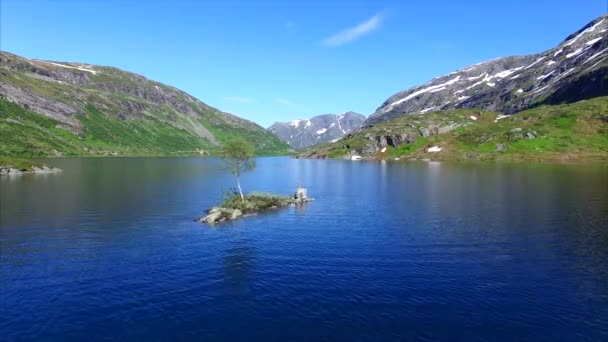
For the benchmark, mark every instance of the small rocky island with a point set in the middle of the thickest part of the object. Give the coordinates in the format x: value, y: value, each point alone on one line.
x: 15, y: 166
x: 236, y: 206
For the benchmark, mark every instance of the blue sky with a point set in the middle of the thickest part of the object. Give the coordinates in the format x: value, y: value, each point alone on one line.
x: 280, y: 60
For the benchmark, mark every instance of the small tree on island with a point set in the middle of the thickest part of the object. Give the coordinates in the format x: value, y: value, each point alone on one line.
x: 238, y: 156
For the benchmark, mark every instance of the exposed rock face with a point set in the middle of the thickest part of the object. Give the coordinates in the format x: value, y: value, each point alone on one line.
x: 63, y: 91
x: 319, y: 129
x: 11, y: 171
x: 576, y: 69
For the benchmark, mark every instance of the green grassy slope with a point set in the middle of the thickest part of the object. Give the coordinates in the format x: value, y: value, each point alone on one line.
x: 27, y: 134
x: 573, y: 131
x: 49, y: 109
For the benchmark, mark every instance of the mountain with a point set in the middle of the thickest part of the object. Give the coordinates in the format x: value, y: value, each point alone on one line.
x: 574, y: 70
x: 60, y: 108
x: 319, y: 129
x: 552, y: 105
x: 549, y: 132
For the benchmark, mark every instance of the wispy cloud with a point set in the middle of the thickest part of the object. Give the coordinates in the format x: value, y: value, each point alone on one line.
x: 353, y: 33
x: 239, y: 99
x: 283, y: 101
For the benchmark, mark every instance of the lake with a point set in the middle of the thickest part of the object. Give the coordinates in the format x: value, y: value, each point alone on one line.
x: 108, y: 249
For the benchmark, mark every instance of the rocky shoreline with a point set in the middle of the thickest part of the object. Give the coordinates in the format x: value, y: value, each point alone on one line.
x: 235, y: 207
x: 11, y: 171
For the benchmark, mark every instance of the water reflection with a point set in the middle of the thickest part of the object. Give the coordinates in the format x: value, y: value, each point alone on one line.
x: 388, y: 250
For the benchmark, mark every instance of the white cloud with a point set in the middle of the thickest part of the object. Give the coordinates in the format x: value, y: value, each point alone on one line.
x: 239, y: 99
x: 283, y: 101
x: 352, y: 33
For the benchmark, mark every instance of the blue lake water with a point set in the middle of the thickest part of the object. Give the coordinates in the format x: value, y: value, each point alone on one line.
x: 108, y: 249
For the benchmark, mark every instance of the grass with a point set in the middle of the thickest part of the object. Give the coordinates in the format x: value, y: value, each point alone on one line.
x: 255, y: 202
x: 27, y: 134
x: 119, y: 113
x: 572, y: 131
x: 19, y: 163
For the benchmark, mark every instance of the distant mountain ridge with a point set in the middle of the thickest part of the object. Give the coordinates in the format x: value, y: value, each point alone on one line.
x: 574, y: 70
x: 318, y: 129
x: 60, y: 108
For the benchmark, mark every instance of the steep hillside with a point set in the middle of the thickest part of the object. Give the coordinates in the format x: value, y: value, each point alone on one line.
x: 574, y: 70
x: 548, y: 132
x: 57, y: 108
x: 319, y: 129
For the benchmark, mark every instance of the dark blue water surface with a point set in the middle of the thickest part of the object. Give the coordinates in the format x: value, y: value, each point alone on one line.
x: 108, y: 249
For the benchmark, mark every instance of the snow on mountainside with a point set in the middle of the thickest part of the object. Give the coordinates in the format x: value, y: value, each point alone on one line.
x: 574, y: 70
x: 319, y: 129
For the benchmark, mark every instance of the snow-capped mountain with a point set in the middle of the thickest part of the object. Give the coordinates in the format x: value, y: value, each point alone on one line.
x: 318, y: 129
x: 576, y: 69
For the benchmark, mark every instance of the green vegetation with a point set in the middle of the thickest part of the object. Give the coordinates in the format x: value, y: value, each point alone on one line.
x: 25, y: 133
x: 28, y: 134
x: 112, y: 112
x: 255, y: 202
x: 572, y: 131
x: 19, y: 163
x: 238, y: 157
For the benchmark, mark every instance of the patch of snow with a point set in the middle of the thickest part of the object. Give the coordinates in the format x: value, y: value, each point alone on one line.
x: 434, y: 149
x: 474, y: 85
x: 307, y: 124
x: 541, y: 89
x: 436, y: 90
x: 322, y: 130
x: 473, y: 117
x: 591, y: 29
x: 295, y: 123
x: 535, y: 62
x: 572, y: 54
x: 477, y: 77
x: 355, y: 158
x: 427, y: 110
x: 551, y: 62
x: 506, y: 73
x: 69, y: 67
x: 156, y: 87
x: 460, y: 98
x: 383, y: 150
x: 558, y: 52
x: 564, y: 74
x: 545, y: 76
x: 594, y: 65
x: 491, y: 84
x: 516, y: 76
x: 335, y: 140
x: 500, y: 117
x: 593, y: 41
x: 595, y: 56
x: 519, y: 91
x: 339, y: 125
x: 469, y: 69
x: 332, y: 125
x: 422, y: 91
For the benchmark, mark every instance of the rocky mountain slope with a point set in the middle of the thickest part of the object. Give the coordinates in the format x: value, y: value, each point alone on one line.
x: 59, y: 108
x: 574, y: 70
x: 319, y: 129
x: 549, y: 132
